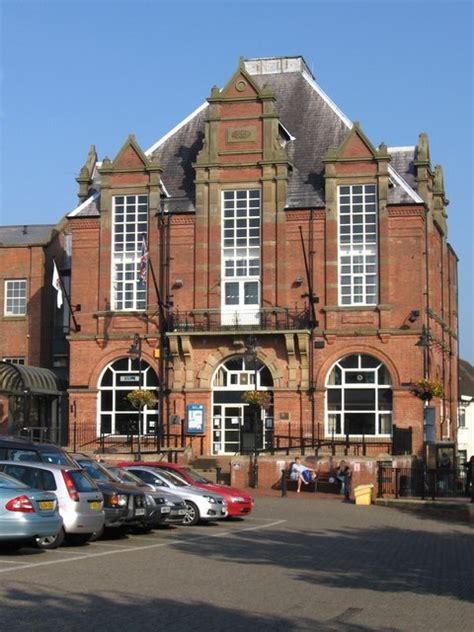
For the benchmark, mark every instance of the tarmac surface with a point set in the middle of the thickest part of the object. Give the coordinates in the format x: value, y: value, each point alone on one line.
x: 296, y: 563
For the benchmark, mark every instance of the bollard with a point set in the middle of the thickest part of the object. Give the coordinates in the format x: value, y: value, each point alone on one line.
x: 218, y: 474
x: 284, y: 491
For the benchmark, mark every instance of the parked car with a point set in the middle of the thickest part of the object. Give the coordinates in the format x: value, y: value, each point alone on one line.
x: 20, y: 449
x: 163, y: 508
x: 26, y: 514
x: 239, y: 502
x: 124, y: 505
x: 199, y: 504
x: 80, y: 503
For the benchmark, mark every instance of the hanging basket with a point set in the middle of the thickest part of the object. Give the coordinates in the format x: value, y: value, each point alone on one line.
x: 141, y: 397
x: 426, y: 389
x: 259, y: 399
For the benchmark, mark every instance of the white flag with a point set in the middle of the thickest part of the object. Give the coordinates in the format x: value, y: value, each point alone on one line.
x: 57, y: 286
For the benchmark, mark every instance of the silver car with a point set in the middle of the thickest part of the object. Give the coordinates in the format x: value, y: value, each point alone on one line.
x: 200, y: 504
x: 80, y: 502
x: 26, y: 513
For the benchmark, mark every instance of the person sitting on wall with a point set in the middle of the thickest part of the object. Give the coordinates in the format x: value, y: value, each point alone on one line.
x: 301, y: 473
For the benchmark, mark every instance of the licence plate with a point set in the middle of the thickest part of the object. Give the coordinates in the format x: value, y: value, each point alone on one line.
x: 140, y: 511
x: 95, y: 505
x: 46, y: 504
x: 165, y: 510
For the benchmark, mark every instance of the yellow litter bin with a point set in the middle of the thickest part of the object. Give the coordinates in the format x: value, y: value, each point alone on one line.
x: 363, y: 494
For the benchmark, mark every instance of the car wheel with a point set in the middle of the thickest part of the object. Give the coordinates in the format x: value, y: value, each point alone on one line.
x: 51, y: 541
x: 78, y: 539
x: 192, y: 514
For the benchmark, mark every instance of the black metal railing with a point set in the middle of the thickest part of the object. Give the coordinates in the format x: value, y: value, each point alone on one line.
x: 348, y: 445
x: 171, y: 444
x: 421, y: 482
x: 279, y: 319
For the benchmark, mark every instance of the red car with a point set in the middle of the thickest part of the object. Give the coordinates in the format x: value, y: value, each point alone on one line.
x: 239, y: 503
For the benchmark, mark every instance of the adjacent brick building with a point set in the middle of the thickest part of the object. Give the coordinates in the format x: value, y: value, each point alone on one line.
x: 285, y: 249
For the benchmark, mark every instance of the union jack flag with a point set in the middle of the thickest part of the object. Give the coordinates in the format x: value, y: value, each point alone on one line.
x: 143, y: 269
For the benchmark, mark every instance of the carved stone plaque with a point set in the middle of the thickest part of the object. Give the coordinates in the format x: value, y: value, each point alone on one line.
x: 241, y: 134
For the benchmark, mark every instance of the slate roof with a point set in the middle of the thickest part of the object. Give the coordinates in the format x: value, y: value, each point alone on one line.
x: 26, y: 235
x: 308, y: 115
x: 466, y: 378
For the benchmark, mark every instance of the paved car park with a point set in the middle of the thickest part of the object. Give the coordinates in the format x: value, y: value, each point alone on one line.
x: 294, y: 564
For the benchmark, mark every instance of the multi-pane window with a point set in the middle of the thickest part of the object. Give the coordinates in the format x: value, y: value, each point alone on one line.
x: 358, y: 244
x: 241, y: 250
x: 359, y: 397
x: 130, y: 227
x: 116, y: 414
x: 14, y: 360
x: 15, y: 297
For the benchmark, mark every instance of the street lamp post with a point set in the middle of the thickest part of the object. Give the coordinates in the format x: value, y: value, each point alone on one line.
x: 250, y: 356
x: 135, y: 352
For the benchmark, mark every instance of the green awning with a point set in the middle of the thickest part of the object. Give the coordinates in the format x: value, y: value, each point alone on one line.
x: 18, y: 379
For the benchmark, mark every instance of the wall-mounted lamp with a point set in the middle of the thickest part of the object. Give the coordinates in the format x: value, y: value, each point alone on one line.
x: 299, y: 281
x: 177, y: 284
x: 424, y: 339
x: 414, y: 315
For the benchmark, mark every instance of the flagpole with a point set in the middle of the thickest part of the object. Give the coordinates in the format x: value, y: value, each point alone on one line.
x: 77, y: 327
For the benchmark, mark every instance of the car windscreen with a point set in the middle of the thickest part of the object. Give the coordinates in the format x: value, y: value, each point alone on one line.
x: 56, y: 457
x: 197, y: 478
x: 82, y: 483
x: 126, y: 477
x: 95, y: 471
x: 7, y: 482
x: 171, y: 478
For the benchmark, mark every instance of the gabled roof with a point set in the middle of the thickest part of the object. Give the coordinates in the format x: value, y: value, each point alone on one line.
x: 307, y: 114
x: 38, y: 234
x: 466, y: 379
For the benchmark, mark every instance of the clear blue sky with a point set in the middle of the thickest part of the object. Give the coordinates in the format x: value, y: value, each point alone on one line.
x: 76, y: 73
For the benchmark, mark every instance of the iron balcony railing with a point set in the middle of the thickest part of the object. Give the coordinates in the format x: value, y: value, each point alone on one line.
x: 276, y: 319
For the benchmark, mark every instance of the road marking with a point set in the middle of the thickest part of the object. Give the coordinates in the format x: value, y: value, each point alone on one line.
x: 124, y: 548
x: 11, y: 562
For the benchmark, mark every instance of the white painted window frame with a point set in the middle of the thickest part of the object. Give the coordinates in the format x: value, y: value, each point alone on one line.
x: 15, y: 305
x: 362, y: 288
x: 328, y: 426
x: 127, y: 292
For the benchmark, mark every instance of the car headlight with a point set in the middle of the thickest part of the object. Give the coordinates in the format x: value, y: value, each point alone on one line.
x: 210, y: 499
x: 122, y: 500
x: 238, y: 499
x: 160, y: 501
x: 149, y: 500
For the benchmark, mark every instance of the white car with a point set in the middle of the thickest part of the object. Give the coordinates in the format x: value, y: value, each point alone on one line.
x: 80, y: 503
x: 200, y: 504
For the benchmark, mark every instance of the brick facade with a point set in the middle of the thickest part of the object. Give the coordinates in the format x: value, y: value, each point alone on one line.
x: 243, y: 145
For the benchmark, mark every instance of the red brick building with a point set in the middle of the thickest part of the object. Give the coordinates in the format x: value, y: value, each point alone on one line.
x: 287, y: 253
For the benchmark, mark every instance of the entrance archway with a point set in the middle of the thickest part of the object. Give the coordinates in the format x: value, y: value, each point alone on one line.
x: 233, y: 427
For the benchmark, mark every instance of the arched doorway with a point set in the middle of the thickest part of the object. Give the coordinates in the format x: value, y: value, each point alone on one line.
x: 115, y: 413
x: 359, y: 397
x: 232, y: 421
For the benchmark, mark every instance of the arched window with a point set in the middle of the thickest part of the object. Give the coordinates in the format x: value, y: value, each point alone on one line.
x: 115, y: 413
x: 359, y: 397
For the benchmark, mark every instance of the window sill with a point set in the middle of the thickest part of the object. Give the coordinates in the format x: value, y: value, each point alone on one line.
x: 356, y: 308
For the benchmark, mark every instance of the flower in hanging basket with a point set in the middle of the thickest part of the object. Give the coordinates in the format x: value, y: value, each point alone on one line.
x: 141, y: 397
x: 257, y: 398
x: 427, y: 389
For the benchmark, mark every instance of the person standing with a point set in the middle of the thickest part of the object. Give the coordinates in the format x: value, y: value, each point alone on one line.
x: 344, y: 475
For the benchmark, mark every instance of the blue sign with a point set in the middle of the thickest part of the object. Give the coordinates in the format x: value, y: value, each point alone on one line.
x: 195, y: 419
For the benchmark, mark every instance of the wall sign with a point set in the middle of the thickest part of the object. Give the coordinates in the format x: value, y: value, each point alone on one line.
x: 194, y: 418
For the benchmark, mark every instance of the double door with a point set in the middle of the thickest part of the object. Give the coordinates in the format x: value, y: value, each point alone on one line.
x: 235, y: 430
